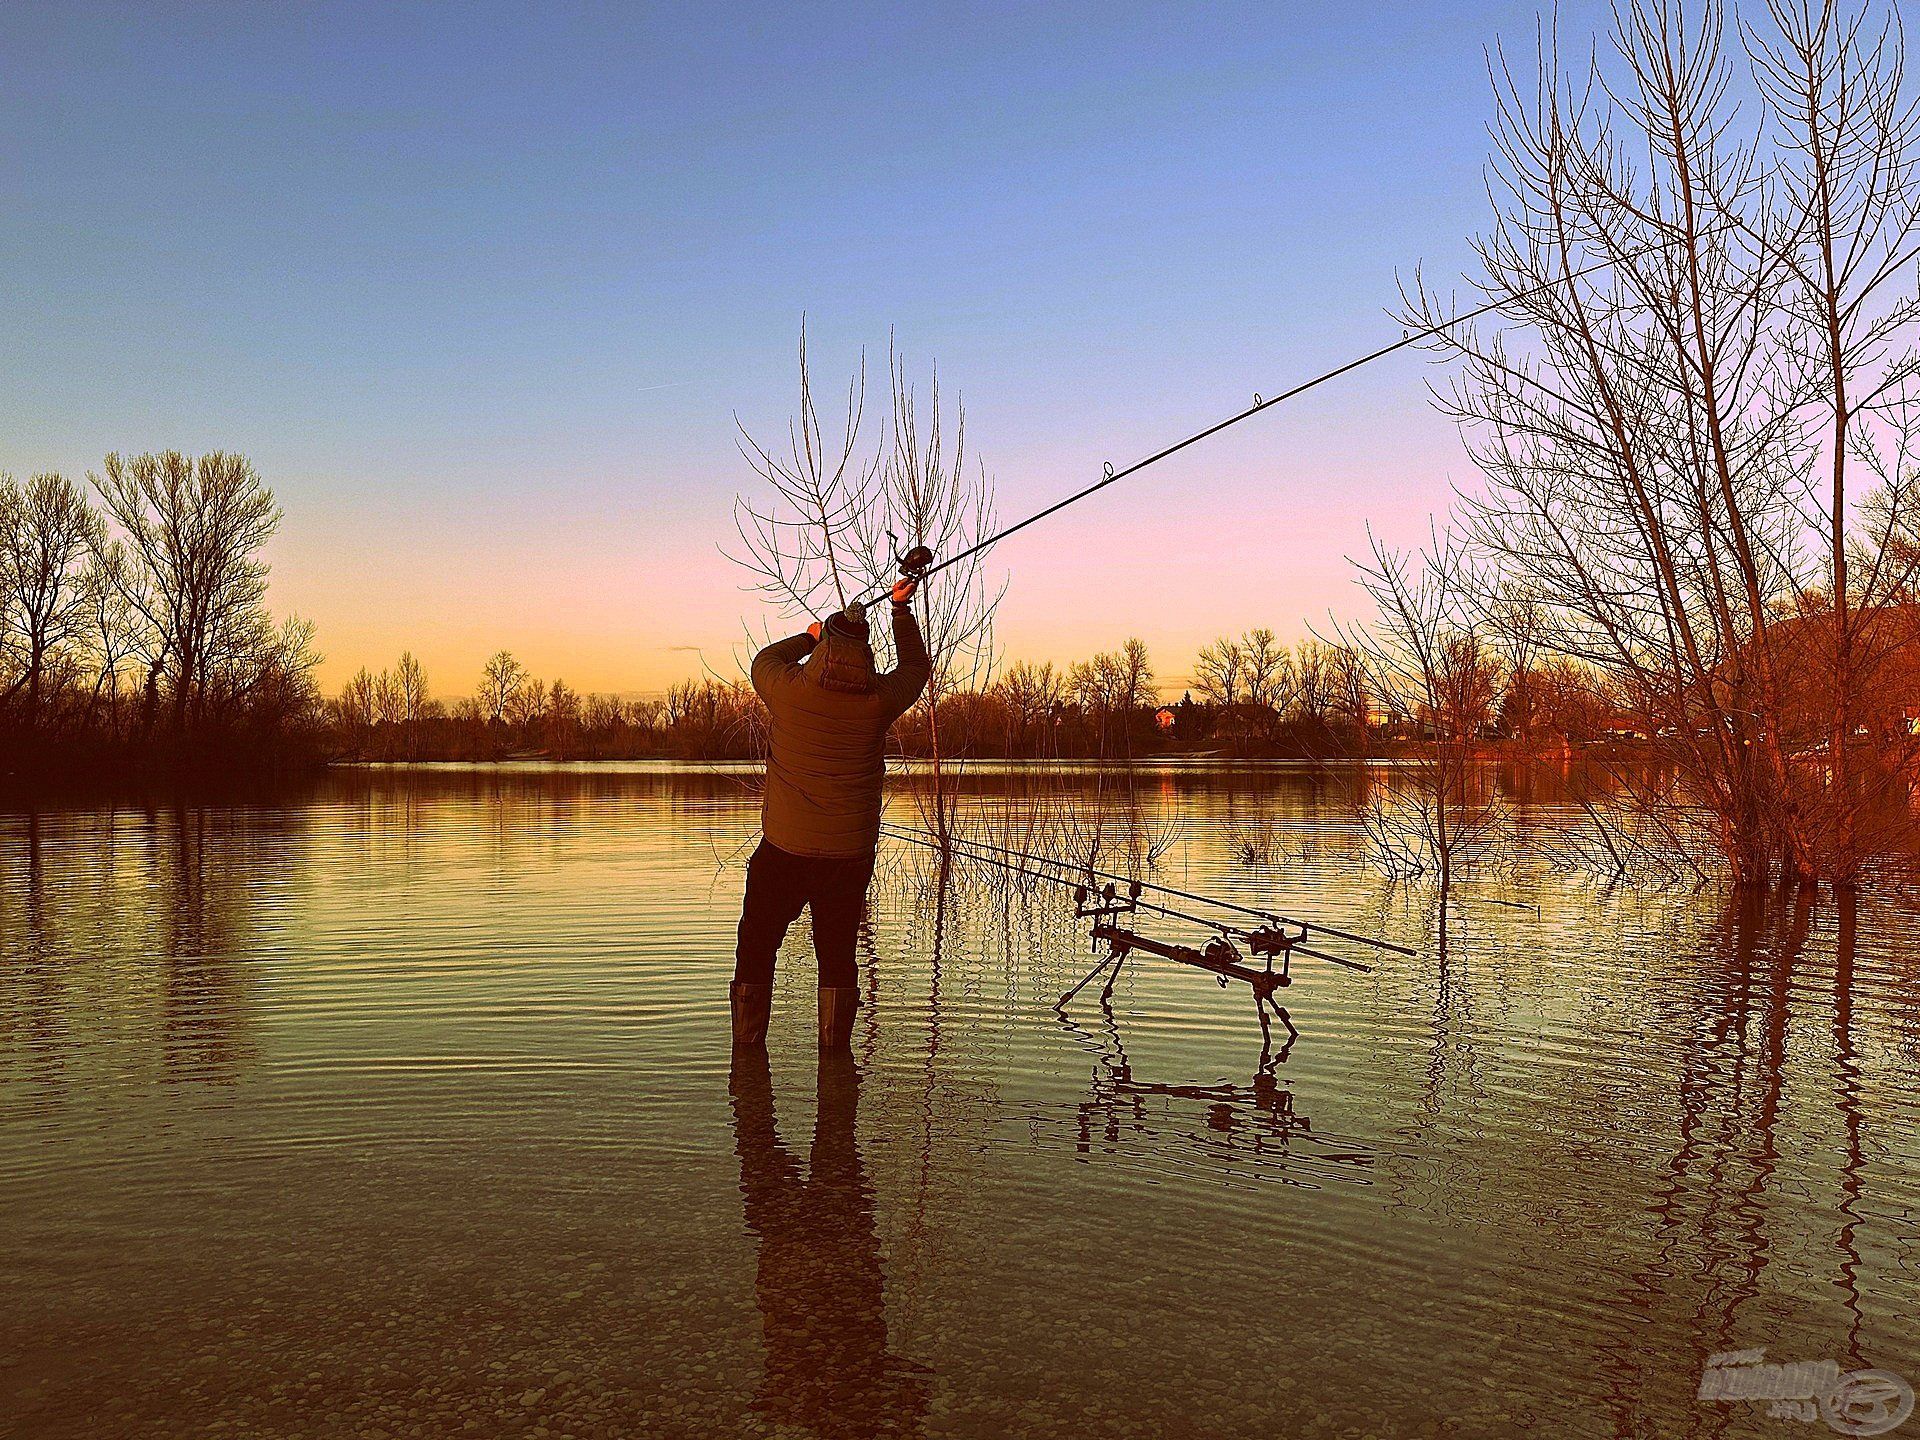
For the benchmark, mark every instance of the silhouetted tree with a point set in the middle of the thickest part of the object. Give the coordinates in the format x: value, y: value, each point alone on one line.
x: 501, y: 681
x: 194, y: 530
x: 46, y: 532
x: 1218, y: 670
x: 1701, y: 347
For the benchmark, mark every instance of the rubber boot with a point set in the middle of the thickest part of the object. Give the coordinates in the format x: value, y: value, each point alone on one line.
x: 752, y: 1004
x: 837, y: 1006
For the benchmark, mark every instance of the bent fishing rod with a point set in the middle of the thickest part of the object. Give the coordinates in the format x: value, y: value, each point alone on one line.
x: 919, y: 563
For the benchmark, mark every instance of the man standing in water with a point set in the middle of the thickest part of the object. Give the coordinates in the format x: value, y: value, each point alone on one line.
x: 821, y: 820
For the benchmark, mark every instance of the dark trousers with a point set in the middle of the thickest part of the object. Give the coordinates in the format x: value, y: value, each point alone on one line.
x: 779, y: 886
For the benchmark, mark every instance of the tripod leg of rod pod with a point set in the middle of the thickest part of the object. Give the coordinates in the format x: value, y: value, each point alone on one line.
x: 1285, y: 1019
x: 1110, y: 960
x: 1262, y: 1001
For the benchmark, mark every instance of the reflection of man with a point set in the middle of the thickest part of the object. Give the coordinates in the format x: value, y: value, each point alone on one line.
x: 819, y: 1283
x: 821, y: 821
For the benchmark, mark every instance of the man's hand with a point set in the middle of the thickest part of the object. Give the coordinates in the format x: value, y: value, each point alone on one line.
x: 814, y: 631
x: 903, y: 589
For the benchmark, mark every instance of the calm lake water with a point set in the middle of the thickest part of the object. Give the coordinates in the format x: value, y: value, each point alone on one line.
x: 406, y: 1107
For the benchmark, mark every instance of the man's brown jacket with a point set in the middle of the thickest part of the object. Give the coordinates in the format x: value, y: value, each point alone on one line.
x: 830, y: 742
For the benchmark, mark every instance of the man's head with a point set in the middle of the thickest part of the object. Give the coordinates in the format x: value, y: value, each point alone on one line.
x: 843, y: 660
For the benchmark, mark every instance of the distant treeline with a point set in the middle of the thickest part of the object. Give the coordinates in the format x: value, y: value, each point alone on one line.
x: 134, y: 631
x: 1251, y: 697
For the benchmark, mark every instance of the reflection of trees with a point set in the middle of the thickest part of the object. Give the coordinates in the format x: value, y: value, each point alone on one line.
x: 1722, y: 1221
x: 133, y: 931
x: 1846, y: 1068
x: 33, y: 1015
x: 819, y: 1282
x: 937, y: 1095
x: 208, y: 924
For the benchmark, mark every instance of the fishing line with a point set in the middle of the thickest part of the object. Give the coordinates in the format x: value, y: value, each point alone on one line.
x: 927, y: 842
x: 932, y: 567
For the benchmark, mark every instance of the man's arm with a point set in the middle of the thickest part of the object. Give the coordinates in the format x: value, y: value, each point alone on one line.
x: 902, y: 685
x: 780, y: 661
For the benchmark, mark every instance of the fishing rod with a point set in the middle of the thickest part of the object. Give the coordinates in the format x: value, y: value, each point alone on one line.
x: 970, y: 849
x: 1271, y: 916
x: 1107, y: 906
x: 919, y: 563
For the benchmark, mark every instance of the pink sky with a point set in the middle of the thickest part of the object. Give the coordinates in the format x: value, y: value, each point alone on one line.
x: 614, y: 580
x: 481, y: 302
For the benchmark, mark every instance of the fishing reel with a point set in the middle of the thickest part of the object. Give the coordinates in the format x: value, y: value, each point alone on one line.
x: 915, y: 563
x: 1273, y: 941
x: 1220, y: 951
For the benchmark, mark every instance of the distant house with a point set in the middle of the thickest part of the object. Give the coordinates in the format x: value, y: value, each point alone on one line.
x: 1165, y: 718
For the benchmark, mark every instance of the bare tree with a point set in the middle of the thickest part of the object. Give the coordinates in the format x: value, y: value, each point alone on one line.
x: 1701, y: 342
x: 1845, y: 159
x: 1424, y: 656
x: 928, y: 498
x: 1350, y: 698
x: 113, y: 631
x: 1218, y: 671
x: 46, y: 531
x: 1516, y: 619
x: 360, y: 702
x: 1136, y: 675
x: 1313, y: 680
x: 1032, y: 693
x: 1112, y: 687
x: 501, y: 681
x: 604, y: 712
x: 1268, y: 670
x: 527, y: 703
x: 799, y: 542
x: 194, y: 530
x: 839, y: 513
x: 389, y: 705
x: 411, y: 677
x: 279, y: 690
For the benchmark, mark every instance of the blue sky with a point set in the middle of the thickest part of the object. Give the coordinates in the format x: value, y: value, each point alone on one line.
x: 481, y: 288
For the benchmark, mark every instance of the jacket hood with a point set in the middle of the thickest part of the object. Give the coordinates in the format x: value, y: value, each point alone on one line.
x: 843, y: 660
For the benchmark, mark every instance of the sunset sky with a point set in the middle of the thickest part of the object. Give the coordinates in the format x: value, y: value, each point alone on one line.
x: 481, y: 289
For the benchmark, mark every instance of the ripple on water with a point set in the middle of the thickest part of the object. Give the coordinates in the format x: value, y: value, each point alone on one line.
x: 424, y: 1075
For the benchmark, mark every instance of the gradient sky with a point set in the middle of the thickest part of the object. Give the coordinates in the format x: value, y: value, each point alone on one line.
x: 481, y: 288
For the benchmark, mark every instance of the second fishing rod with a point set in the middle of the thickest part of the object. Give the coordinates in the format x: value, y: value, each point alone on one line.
x: 1090, y: 872
x: 1085, y: 878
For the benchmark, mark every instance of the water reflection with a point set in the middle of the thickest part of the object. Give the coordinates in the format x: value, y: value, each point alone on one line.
x: 469, y: 1119
x: 173, y: 901
x: 1253, y: 1130
x: 818, y: 1279
x: 1730, y: 1229
x: 206, y: 925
